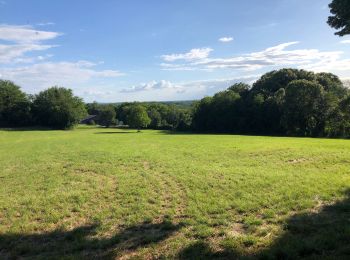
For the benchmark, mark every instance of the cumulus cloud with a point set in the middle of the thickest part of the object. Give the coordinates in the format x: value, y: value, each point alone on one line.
x: 226, y: 39
x: 153, y: 85
x: 193, y: 54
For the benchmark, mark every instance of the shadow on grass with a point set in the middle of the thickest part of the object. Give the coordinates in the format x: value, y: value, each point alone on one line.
x: 31, y: 128
x: 82, y: 242
x: 118, y: 132
x: 174, y: 132
x: 319, y: 235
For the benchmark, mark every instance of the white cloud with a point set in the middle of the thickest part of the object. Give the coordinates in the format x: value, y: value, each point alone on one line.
x: 92, y: 94
x: 273, y: 56
x: 330, y: 65
x: 226, y: 39
x: 345, y: 42
x: 14, y: 53
x: 201, y: 87
x: 22, y: 39
x: 193, y: 54
x: 24, y: 34
x: 153, y: 85
x: 42, y: 75
x: 45, y: 24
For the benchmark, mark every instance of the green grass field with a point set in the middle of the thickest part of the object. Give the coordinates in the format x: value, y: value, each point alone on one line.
x: 110, y: 193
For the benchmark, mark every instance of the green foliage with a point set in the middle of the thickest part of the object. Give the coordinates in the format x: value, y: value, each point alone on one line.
x: 272, y: 81
x: 305, y: 108
x: 340, y: 18
x: 240, y: 88
x: 107, y: 116
x: 162, y: 116
x: 93, y: 108
x: 138, y: 117
x: 57, y: 107
x: 283, y: 102
x: 156, y: 118
x: 14, y: 105
x: 338, y: 123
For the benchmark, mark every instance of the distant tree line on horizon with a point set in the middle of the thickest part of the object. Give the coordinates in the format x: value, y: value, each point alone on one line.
x: 286, y: 102
x: 155, y: 115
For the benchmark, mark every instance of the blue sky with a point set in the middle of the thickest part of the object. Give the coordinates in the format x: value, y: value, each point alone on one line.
x: 162, y: 50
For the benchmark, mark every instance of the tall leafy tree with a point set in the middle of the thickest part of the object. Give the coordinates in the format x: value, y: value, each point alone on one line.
x: 138, y: 117
x: 156, y: 118
x: 93, y: 108
x: 340, y: 18
x: 14, y: 105
x: 272, y: 81
x: 304, y: 108
x: 107, y: 116
x: 57, y: 107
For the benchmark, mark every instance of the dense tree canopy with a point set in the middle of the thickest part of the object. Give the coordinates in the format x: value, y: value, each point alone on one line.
x: 163, y: 116
x: 14, y: 105
x: 106, y: 116
x: 57, y: 107
x: 305, y: 108
x: 138, y: 117
x: 340, y: 18
x: 282, y: 102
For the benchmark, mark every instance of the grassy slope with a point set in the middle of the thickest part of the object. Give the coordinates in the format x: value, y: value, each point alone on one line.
x: 114, y: 193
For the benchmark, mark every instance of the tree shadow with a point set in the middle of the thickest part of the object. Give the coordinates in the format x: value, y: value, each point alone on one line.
x: 29, y: 128
x: 116, y: 132
x: 83, y: 242
x: 279, y: 136
x: 323, y: 234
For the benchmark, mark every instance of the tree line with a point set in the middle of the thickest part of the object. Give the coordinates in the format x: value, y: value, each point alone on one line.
x: 287, y: 102
x: 55, y: 107
x: 284, y: 102
x: 150, y: 115
x: 58, y: 108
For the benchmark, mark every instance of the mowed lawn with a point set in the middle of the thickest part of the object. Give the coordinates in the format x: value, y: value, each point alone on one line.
x: 111, y: 193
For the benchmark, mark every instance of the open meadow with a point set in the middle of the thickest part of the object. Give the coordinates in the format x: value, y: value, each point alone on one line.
x: 111, y: 193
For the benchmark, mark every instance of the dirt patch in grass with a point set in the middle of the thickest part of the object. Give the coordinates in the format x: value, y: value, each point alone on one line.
x: 236, y: 229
